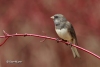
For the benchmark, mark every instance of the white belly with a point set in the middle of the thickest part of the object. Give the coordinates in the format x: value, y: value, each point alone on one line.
x: 63, y: 33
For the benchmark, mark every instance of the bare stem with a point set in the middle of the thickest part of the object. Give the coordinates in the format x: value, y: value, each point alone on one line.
x: 6, y: 35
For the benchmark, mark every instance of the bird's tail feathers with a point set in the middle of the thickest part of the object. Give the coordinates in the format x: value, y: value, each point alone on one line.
x: 75, y: 52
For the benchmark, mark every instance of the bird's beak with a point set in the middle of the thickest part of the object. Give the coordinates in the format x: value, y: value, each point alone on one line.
x: 52, y: 17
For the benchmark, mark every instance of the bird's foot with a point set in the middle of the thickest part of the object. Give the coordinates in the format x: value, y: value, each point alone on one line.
x: 64, y: 40
x: 57, y: 40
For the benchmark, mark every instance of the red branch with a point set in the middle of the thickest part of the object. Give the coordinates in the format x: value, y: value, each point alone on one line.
x: 4, y: 41
x: 46, y: 37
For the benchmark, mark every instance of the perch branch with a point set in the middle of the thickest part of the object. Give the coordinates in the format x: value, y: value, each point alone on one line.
x: 6, y: 35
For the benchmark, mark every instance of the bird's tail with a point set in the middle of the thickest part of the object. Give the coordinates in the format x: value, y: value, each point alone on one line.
x: 75, y: 52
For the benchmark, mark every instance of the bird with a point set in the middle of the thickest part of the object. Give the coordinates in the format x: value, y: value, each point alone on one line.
x: 66, y: 32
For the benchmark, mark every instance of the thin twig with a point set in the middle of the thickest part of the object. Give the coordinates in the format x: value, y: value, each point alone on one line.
x: 4, y: 41
x: 46, y: 37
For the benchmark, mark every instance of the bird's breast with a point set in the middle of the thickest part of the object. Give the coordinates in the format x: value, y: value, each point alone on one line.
x: 64, y: 34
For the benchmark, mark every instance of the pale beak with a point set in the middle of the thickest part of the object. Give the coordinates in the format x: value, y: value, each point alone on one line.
x: 52, y: 17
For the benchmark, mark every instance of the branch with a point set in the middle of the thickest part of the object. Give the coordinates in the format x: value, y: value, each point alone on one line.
x: 46, y: 37
x: 4, y: 41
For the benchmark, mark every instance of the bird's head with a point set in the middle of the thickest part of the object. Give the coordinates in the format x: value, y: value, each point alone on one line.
x: 58, y: 18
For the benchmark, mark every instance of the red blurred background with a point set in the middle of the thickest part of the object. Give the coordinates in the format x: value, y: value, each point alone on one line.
x: 33, y: 16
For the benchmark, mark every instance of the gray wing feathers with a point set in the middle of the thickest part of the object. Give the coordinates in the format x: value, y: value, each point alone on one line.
x: 74, y: 40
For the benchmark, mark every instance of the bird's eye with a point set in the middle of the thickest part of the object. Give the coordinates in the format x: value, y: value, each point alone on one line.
x: 56, y: 16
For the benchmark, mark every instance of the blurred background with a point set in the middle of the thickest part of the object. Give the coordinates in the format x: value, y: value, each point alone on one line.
x: 33, y: 16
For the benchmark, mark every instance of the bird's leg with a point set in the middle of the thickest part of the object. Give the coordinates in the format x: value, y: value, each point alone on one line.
x: 58, y: 40
x: 65, y: 41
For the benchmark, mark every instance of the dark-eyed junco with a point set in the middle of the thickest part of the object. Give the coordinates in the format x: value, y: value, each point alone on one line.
x: 65, y: 31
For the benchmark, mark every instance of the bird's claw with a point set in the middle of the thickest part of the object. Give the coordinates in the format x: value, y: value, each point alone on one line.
x: 57, y: 40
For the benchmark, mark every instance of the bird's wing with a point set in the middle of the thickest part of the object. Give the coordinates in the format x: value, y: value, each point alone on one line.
x: 73, y: 34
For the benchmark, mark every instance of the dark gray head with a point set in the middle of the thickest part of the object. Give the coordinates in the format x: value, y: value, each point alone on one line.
x: 58, y: 18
